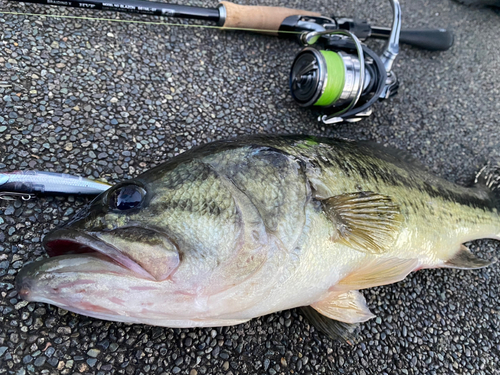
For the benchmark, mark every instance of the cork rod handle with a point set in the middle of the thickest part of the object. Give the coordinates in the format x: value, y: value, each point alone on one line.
x: 259, y: 17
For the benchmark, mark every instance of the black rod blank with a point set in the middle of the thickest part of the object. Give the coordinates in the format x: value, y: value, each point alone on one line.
x: 138, y: 7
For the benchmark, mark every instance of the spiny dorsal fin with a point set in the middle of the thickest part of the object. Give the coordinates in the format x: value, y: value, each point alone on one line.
x: 379, y: 271
x: 332, y: 328
x: 465, y: 260
x: 489, y: 175
x: 365, y: 221
x: 348, y: 307
x: 489, y: 178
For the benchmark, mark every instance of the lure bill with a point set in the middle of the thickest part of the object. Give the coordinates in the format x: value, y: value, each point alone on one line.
x: 27, y: 184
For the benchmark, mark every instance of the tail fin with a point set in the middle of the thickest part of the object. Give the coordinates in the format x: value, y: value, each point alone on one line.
x: 489, y: 178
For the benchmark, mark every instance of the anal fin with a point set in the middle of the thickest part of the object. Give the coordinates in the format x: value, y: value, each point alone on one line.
x: 465, y: 260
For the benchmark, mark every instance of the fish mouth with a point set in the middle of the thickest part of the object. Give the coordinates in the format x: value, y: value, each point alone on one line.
x: 79, y: 263
x: 67, y: 242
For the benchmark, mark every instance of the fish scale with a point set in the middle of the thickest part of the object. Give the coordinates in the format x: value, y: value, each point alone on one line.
x: 242, y: 228
x: 279, y: 178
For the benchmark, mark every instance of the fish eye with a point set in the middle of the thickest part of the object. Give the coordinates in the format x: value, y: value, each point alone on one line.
x: 126, y: 197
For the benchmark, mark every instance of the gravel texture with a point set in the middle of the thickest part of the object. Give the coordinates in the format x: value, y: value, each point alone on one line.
x: 111, y: 100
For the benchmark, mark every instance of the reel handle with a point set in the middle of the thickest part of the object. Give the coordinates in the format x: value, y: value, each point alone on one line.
x: 257, y: 17
x: 428, y: 39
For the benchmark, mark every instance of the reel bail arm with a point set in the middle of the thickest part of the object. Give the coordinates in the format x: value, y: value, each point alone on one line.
x: 391, y: 48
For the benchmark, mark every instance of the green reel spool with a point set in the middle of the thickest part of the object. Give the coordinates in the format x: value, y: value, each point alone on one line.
x: 335, y: 78
x: 317, y: 77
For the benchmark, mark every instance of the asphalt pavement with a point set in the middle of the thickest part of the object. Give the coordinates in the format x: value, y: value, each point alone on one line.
x: 113, y: 99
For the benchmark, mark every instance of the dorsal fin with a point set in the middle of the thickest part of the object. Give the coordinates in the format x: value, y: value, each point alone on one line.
x: 488, y: 178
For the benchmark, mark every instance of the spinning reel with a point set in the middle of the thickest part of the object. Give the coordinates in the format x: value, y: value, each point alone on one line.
x: 338, y: 73
x: 334, y: 70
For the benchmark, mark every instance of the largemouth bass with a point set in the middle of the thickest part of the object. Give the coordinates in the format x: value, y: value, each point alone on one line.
x: 238, y: 229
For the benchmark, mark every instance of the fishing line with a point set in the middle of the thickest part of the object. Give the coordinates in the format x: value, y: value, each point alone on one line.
x: 330, y: 72
x: 318, y: 77
x: 150, y: 22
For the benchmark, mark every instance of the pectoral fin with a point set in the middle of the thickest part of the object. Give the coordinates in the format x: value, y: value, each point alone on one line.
x: 348, y: 307
x: 365, y: 221
x: 464, y: 259
x: 380, y: 271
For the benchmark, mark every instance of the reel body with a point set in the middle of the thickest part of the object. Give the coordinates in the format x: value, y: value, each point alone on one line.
x: 338, y: 73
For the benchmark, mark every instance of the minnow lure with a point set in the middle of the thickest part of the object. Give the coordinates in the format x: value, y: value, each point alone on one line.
x: 27, y: 184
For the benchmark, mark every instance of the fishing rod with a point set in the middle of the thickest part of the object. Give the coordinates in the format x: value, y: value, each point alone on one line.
x: 334, y: 71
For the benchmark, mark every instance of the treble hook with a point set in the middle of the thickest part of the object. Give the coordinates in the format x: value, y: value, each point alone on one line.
x: 11, y: 196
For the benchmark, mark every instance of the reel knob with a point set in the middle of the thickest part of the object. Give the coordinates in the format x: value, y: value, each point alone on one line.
x: 325, y: 78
